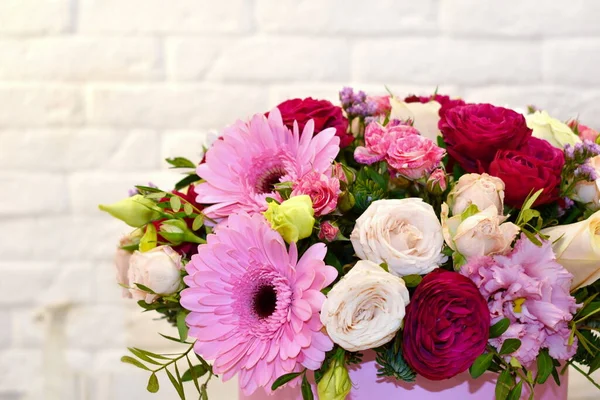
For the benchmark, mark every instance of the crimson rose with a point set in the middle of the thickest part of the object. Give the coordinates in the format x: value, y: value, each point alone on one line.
x: 446, y: 326
x: 323, y: 112
x: 445, y: 101
x: 474, y: 132
x: 536, y: 165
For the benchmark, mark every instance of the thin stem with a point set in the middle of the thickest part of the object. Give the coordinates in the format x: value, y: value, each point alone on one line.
x: 174, y: 360
x: 589, y: 378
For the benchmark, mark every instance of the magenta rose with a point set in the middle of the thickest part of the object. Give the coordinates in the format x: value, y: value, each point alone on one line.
x: 322, y: 112
x: 446, y: 326
x: 536, y: 165
x: 474, y: 132
x: 445, y: 101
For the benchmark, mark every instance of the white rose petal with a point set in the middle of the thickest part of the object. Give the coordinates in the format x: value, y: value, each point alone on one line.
x: 365, y: 308
x: 482, y: 190
x: 405, y: 234
x: 425, y: 116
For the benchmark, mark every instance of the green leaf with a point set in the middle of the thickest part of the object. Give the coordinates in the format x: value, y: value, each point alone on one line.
x: 203, y: 393
x: 544, y: 366
x: 187, y: 181
x: 481, y: 364
x: 180, y: 162
x: 499, y: 328
x: 175, y: 203
x: 133, y: 361
x: 509, y: 346
x: 148, y: 241
x: 144, y: 288
x: 147, y: 189
x: 283, y: 379
x: 196, y: 370
x: 198, y: 222
x: 171, y: 338
x: 176, y: 384
x: 595, y: 364
x: 392, y: 363
x: 504, y: 384
x: 142, y: 356
x: 412, y: 281
x: 182, y: 328
x: 307, y: 393
x: 153, y: 355
x: 153, y: 384
x: 515, y: 393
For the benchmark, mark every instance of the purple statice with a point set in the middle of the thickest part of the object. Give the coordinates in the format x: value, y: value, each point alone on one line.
x: 581, y: 152
x: 564, y: 204
x: 585, y: 172
x: 356, y: 104
x: 133, y: 191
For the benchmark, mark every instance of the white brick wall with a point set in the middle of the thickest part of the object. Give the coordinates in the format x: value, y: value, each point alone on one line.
x: 95, y: 93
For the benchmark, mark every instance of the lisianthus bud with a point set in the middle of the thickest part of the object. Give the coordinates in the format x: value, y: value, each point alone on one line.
x: 135, y: 211
x: 335, y: 383
x: 328, y: 232
x: 436, y: 184
x: 293, y: 219
x: 176, y: 231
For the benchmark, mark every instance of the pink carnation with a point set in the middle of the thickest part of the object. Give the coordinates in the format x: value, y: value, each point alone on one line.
x: 322, y: 189
x: 531, y: 289
x: 405, y: 150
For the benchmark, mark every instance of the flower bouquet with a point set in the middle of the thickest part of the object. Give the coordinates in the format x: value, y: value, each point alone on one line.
x: 428, y: 235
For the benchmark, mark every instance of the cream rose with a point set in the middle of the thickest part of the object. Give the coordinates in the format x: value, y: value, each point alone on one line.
x: 589, y: 192
x: 482, y: 190
x: 122, y: 258
x: 405, y: 234
x: 425, y: 116
x: 577, y: 248
x: 157, y: 269
x: 556, y: 132
x: 480, y: 234
x: 365, y: 308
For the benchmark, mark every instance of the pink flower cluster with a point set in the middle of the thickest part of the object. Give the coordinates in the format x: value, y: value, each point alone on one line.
x: 531, y: 289
x: 404, y: 149
x: 322, y: 189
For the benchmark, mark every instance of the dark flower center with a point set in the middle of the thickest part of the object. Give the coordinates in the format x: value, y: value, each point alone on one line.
x: 266, y: 183
x: 265, y: 301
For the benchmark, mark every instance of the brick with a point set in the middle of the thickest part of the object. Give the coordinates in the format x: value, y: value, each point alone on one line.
x: 31, y: 105
x: 27, y: 328
x: 519, y: 18
x: 177, y: 107
x: 23, y: 282
x: 158, y: 16
x: 251, y: 59
x: 446, y: 61
x: 28, y: 17
x: 29, y: 194
x: 572, y: 61
x: 69, y: 58
x: 184, y: 143
x: 15, y: 370
x: 72, y: 283
x: 346, y: 16
x: 95, y: 327
x: 5, y: 329
x: 79, y: 149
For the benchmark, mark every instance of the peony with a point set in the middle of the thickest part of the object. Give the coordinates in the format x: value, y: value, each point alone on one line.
x: 405, y: 234
x: 446, y: 325
x: 322, y: 189
x: 536, y: 165
x: 424, y: 116
x: 475, y: 132
x: 293, y: 218
x: 531, y: 289
x: 365, y: 308
x: 158, y: 270
x: 557, y: 133
x: 481, y: 190
x: 589, y: 192
x: 322, y: 112
x: 480, y: 234
x: 577, y: 249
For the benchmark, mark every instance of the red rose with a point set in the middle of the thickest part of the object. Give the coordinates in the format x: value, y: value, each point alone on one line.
x: 446, y: 326
x: 474, y: 132
x: 536, y: 165
x: 445, y: 101
x: 323, y: 112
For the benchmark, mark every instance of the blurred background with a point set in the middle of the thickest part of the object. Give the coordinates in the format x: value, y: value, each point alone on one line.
x: 94, y: 94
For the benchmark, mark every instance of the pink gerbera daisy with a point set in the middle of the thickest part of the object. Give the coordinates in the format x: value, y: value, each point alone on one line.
x: 255, y: 306
x: 242, y: 169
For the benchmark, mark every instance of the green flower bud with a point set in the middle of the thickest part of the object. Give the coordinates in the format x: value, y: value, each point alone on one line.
x: 293, y: 219
x: 335, y: 383
x: 176, y: 231
x: 135, y: 211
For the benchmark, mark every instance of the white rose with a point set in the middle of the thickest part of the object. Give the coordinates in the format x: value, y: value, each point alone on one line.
x: 481, y: 234
x: 405, y: 234
x: 556, y: 132
x: 157, y: 269
x: 589, y: 192
x: 425, y: 116
x: 577, y: 248
x: 365, y: 308
x: 482, y: 190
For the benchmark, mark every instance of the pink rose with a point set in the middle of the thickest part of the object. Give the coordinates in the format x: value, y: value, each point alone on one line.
x: 328, y: 232
x: 382, y: 104
x: 437, y: 183
x: 157, y: 269
x: 585, y: 132
x: 378, y: 139
x: 413, y: 156
x: 322, y: 189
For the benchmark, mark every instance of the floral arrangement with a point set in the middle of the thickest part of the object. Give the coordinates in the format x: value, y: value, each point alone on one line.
x: 444, y: 236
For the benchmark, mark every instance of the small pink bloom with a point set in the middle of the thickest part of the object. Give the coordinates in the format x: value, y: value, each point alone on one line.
x: 338, y: 171
x: 437, y: 183
x: 328, y: 232
x: 382, y: 104
x: 585, y: 132
x: 413, y: 156
x: 323, y: 191
x: 378, y: 139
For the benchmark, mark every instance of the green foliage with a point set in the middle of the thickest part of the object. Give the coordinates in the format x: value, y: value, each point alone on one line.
x: 369, y: 186
x: 545, y: 366
x: 180, y: 162
x: 187, y: 181
x: 392, y: 363
x: 505, y: 383
x: 509, y: 346
x: 307, y: 393
x: 481, y: 364
x: 499, y: 328
x: 283, y: 379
